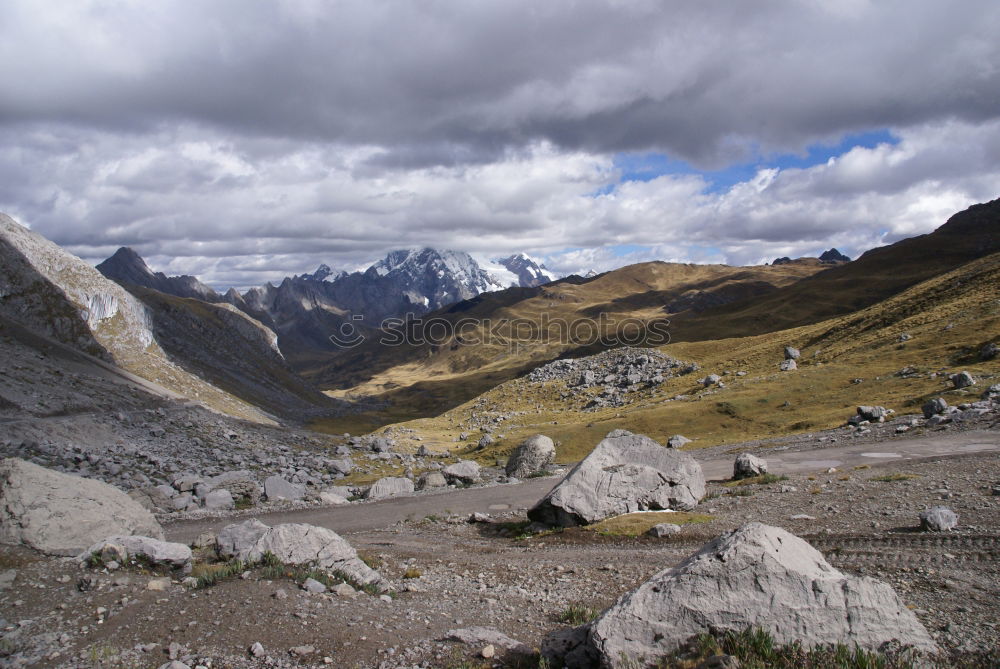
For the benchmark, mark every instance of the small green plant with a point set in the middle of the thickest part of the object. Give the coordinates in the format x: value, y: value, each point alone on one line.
x: 412, y: 572
x: 373, y: 561
x: 577, y: 614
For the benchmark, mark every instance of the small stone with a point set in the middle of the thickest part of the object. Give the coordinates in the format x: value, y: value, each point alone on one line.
x: 313, y: 586
x: 938, y: 519
x: 488, y: 651
x: 302, y: 651
x: 962, y: 380
x: 257, y: 650
x: 663, y: 530
x: 158, y: 584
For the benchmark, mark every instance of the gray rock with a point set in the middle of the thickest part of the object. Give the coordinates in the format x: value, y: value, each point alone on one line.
x: 327, y: 497
x: 663, y: 530
x: 711, y: 380
x: 933, y: 407
x: 220, y: 499
x: 300, y: 544
x: 276, y: 487
x: 343, y: 466
x: 874, y: 414
x: 59, y: 514
x: 391, y: 486
x: 182, y: 501
x: 174, y: 664
x: 313, y: 586
x: 989, y: 351
x: 791, y: 353
x: 678, y: 441
x: 788, y: 365
x: 962, y: 380
x: 482, y: 636
x: 485, y: 440
x: 236, y: 539
x: 463, y: 471
x: 622, y: 474
x: 533, y: 455
x: 993, y: 392
x: 938, y: 519
x: 756, y: 576
x: 154, y: 551
x: 382, y: 444
x: 154, y: 498
x: 432, y: 479
x: 748, y: 465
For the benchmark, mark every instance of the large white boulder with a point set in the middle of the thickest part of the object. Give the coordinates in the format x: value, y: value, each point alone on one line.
x: 533, y: 455
x: 59, y: 514
x: 298, y: 544
x: 390, y: 486
x: 625, y: 473
x: 756, y: 576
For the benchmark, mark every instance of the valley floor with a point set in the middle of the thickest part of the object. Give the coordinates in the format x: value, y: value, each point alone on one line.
x: 862, y: 514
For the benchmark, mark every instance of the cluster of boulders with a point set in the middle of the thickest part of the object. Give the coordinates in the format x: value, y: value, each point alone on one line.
x: 617, y: 372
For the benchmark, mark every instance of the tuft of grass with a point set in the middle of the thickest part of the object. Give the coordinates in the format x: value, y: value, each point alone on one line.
x: 898, y: 476
x: 635, y: 524
x: 577, y: 614
x: 757, y: 649
x: 373, y: 561
x: 763, y: 479
x: 412, y: 572
x: 208, y: 575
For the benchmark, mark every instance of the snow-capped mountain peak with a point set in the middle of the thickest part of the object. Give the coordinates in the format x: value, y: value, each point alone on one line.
x: 526, y: 269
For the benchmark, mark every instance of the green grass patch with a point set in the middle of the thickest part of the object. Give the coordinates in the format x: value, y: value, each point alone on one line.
x: 757, y: 649
x: 635, y: 524
x: 763, y: 479
x: 577, y: 614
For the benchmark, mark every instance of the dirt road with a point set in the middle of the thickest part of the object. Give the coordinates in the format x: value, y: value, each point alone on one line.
x: 716, y: 463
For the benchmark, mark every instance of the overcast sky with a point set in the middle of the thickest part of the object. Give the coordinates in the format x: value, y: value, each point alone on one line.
x: 244, y: 140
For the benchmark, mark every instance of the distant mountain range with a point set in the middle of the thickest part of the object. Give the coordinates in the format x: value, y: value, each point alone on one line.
x: 306, y: 309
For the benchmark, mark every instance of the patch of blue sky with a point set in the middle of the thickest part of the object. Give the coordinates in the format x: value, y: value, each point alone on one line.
x: 650, y: 165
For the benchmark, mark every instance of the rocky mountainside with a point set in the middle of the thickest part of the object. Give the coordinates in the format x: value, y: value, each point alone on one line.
x: 128, y: 268
x: 185, y: 348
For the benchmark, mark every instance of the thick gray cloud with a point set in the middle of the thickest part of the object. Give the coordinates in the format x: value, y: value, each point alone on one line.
x: 244, y: 141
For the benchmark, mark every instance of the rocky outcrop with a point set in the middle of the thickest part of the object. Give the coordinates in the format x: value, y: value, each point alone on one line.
x: 299, y: 544
x: 533, y: 455
x: 128, y: 268
x: 624, y: 473
x: 833, y: 256
x: 59, y: 514
x: 756, y: 576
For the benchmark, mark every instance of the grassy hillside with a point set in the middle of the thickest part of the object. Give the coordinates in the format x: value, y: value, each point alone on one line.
x: 846, y: 361
x: 497, y: 336
x: 695, y: 303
